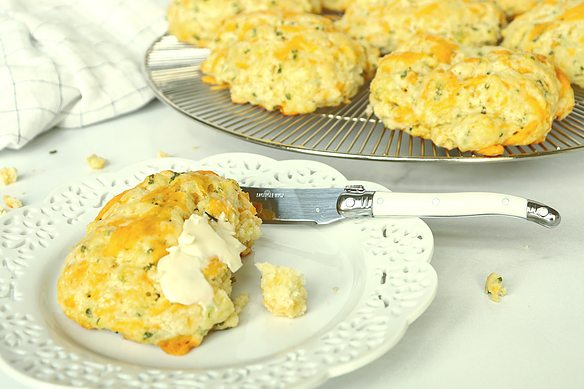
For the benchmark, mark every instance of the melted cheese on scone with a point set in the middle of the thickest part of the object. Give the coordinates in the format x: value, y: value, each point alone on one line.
x: 110, y: 281
x: 476, y: 99
x: 386, y: 24
x: 197, y: 21
x: 554, y: 28
x: 292, y: 62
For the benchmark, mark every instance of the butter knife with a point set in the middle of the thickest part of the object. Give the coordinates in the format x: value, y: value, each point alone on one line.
x: 327, y: 205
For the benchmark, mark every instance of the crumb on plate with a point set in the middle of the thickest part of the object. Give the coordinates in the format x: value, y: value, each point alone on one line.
x: 8, y: 175
x: 495, y: 287
x: 283, y: 290
x: 95, y: 162
x: 11, y: 202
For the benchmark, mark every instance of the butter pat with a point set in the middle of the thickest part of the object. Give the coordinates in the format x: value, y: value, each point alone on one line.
x: 283, y: 290
x: 494, y: 286
x: 181, y: 271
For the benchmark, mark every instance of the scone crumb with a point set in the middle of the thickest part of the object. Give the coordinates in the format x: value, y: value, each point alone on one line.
x: 2, y: 211
x: 8, y: 175
x: 335, y: 288
x: 283, y: 290
x: 161, y: 154
x: 95, y: 162
x: 195, y: 147
x: 11, y: 202
x: 495, y: 287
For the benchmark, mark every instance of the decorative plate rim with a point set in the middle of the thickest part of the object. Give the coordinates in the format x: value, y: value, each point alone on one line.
x: 399, y: 284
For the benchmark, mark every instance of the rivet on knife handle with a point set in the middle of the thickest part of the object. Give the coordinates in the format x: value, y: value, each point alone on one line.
x: 355, y: 202
x: 542, y: 214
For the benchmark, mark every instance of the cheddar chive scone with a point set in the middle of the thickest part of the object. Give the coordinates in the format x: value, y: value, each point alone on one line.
x: 292, y: 62
x: 386, y: 24
x: 196, y: 21
x: 554, y: 28
x: 512, y: 8
x: 282, y: 290
x: 110, y: 279
x: 473, y: 99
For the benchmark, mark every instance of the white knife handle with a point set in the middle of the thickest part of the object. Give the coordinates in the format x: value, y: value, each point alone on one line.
x: 462, y: 204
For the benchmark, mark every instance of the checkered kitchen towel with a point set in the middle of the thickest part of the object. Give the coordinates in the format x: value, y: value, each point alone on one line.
x: 71, y: 63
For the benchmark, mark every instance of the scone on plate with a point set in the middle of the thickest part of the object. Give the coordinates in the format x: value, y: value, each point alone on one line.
x: 283, y: 290
x: 386, y: 24
x: 473, y: 99
x: 196, y: 21
x: 295, y: 63
x: 113, y: 279
x: 554, y: 28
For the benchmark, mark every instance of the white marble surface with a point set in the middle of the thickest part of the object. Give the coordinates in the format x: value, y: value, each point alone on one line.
x: 533, y: 338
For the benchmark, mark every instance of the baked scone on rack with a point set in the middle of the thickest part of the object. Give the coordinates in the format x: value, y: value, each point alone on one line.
x: 513, y: 8
x: 114, y: 277
x: 295, y: 63
x: 473, y: 99
x: 196, y: 21
x: 386, y: 24
x: 554, y: 28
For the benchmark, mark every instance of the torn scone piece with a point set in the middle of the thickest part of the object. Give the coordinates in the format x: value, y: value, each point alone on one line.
x: 111, y: 279
x: 283, y: 290
x: 473, y: 99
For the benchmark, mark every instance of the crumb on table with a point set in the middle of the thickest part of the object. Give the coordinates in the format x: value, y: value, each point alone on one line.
x: 161, y: 154
x: 11, y: 202
x: 283, y: 290
x: 8, y: 175
x: 95, y: 162
x: 494, y: 286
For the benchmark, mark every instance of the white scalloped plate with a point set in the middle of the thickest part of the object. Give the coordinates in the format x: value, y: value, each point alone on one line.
x: 367, y: 280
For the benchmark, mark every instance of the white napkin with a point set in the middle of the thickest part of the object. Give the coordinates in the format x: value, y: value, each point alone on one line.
x: 71, y: 63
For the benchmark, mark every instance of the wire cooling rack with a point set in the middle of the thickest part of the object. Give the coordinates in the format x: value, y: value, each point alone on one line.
x: 348, y: 131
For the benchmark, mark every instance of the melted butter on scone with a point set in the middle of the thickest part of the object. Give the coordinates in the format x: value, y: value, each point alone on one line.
x: 181, y: 271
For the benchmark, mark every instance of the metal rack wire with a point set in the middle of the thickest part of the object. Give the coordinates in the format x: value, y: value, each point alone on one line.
x: 348, y: 131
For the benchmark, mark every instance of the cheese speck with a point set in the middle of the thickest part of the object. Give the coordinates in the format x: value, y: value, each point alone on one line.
x: 494, y: 286
x: 8, y: 175
x: 95, y: 162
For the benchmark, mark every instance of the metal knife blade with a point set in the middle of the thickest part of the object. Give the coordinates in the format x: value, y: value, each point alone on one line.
x: 284, y: 205
x: 326, y: 205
